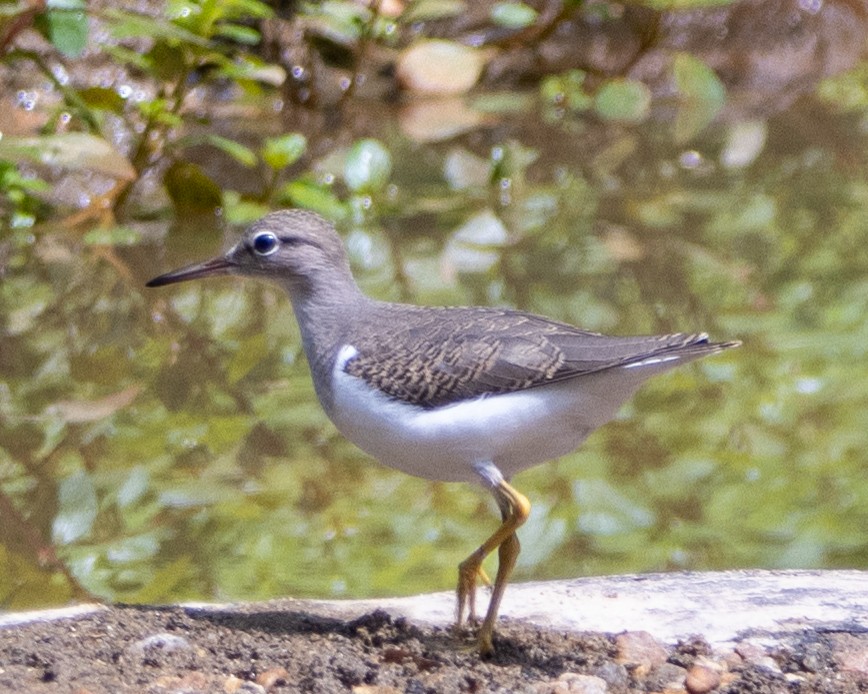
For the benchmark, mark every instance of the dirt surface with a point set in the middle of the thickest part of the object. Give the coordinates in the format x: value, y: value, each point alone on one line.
x: 279, y: 647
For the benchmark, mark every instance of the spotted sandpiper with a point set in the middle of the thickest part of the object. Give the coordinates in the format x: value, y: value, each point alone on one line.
x: 451, y: 394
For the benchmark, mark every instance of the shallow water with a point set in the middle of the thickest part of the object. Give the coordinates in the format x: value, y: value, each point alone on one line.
x: 166, y: 445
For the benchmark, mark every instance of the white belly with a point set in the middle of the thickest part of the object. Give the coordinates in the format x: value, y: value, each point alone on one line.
x: 513, y: 430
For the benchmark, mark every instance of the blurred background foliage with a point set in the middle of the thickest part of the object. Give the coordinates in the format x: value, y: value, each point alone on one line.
x: 629, y: 167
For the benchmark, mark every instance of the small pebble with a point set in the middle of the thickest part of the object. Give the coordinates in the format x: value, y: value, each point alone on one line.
x: 274, y: 676
x: 573, y: 683
x: 666, y: 677
x: 615, y: 675
x: 184, y: 684
x: 169, y: 643
x: 639, y: 651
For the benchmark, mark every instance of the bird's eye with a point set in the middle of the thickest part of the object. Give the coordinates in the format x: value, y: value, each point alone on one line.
x: 265, y: 243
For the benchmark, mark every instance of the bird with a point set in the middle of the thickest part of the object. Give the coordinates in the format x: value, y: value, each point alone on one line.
x: 452, y: 394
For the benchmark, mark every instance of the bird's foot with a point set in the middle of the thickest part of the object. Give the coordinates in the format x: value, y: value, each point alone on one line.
x: 469, y: 572
x: 484, y: 639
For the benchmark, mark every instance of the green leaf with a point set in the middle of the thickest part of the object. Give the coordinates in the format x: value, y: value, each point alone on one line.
x: 567, y: 90
x: 426, y: 10
x: 313, y: 196
x: 248, y: 68
x: 103, y: 98
x: 136, y: 485
x: 697, y: 81
x: 77, y: 502
x: 251, y: 351
x: 240, y: 153
x: 701, y: 95
x: 623, y: 100
x: 126, y: 25
x: 66, y: 5
x: 238, y: 211
x: 75, y: 151
x: 847, y: 91
x: 191, y: 189
x: 252, y: 9
x: 239, y: 34
x: 113, y: 236
x: 513, y: 15
x: 368, y: 166
x: 283, y: 151
x: 167, y: 60
x: 66, y: 28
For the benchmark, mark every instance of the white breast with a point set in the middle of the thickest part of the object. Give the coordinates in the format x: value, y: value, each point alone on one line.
x: 513, y: 430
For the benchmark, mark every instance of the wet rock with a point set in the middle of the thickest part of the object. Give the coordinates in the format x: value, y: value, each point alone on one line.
x: 440, y: 67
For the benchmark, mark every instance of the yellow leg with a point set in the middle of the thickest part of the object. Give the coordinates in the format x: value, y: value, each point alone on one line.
x: 514, y: 509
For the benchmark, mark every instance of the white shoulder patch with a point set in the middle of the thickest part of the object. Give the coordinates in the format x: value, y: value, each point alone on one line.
x: 345, y: 353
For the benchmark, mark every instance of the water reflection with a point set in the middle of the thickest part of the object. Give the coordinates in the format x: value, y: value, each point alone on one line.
x: 169, y: 447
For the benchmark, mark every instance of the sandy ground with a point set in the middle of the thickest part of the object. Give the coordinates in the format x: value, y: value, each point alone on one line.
x: 309, y: 646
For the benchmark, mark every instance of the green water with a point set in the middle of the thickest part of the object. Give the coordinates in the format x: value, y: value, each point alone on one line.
x: 166, y: 445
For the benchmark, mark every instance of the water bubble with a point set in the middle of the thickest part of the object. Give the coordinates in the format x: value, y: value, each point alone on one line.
x: 60, y: 74
x: 690, y: 159
x: 26, y: 100
x: 808, y: 385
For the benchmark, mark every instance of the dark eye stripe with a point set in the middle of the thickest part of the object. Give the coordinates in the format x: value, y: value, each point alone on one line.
x: 296, y: 241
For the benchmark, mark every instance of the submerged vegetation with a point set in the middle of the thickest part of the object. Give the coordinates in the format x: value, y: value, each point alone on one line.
x: 630, y: 167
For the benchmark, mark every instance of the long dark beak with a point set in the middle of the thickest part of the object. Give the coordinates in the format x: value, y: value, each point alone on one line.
x: 210, y: 268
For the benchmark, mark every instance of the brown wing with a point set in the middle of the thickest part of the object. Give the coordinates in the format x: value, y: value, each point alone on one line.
x: 437, y: 357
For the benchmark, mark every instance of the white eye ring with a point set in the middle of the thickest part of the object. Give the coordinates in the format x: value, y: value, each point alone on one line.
x: 265, y: 243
